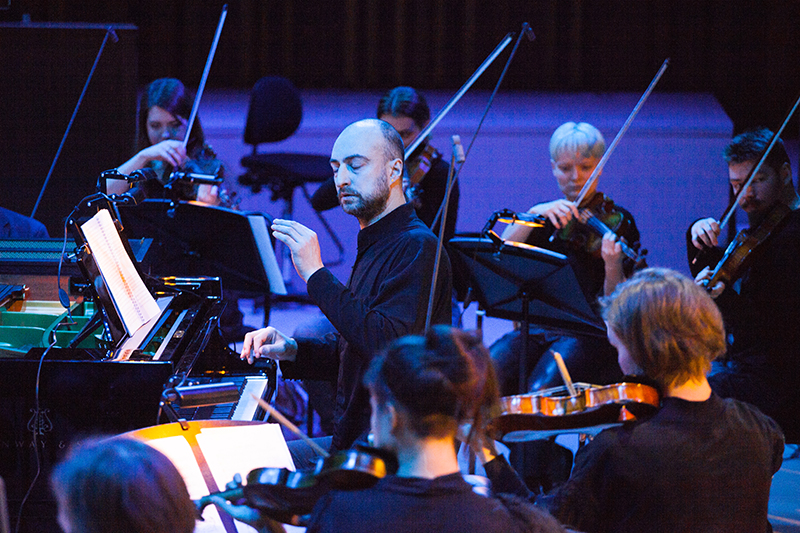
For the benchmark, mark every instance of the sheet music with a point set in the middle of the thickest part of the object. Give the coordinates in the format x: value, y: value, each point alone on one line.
x: 133, y: 301
x: 259, y: 226
x: 227, y: 450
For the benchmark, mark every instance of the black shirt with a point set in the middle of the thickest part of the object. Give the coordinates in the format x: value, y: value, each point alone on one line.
x: 694, y: 466
x: 761, y: 308
x: 386, y: 298
x: 446, y: 504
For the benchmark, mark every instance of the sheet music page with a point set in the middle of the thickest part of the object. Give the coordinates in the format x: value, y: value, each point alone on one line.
x: 239, y: 449
x: 133, y: 301
x: 259, y: 226
x: 178, y: 451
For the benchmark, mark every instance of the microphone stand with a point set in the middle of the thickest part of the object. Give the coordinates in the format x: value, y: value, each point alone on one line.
x: 527, y: 32
x: 457, y: 158
x: 109, y: 33
x: 458, y: 151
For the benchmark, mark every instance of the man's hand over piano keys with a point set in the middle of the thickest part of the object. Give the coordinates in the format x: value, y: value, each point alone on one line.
x: 270, y: 343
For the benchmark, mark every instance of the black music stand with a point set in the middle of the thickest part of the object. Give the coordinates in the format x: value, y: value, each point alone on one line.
x: 520, y: 282
x: 191, y: 239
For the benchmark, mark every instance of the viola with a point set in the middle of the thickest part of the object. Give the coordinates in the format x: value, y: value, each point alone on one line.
x: 598, y: 217
x: 741, y: 248
x: 555, y: 409
x: 284, y: 495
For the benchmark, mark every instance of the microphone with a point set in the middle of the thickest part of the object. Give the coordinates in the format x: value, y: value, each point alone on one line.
x: 143, y: 174
x: 202, y: 395
x: 194, y: 177
x: 134, y: 196
x: 526, y: 29
x: 458, y: 150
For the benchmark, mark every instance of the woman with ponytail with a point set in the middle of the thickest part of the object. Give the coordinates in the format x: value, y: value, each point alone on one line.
x: 422, y: 389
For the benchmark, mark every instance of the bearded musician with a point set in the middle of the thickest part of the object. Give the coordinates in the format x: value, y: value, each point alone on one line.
x: 761, y: 300
x: 425, y: 183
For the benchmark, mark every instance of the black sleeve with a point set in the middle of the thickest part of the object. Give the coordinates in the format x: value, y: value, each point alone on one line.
x: 325, y: 197
x: 401, y: 308
x: 579, y: 503
x: 316, y: 359
x: 505, y: 479
x: 699, y: 259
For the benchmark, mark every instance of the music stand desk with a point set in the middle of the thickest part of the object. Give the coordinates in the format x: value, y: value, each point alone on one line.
x: 525, y: 283
x: 191, y: 239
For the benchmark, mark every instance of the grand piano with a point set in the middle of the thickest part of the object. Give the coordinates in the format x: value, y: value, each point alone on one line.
x: 66, y: 373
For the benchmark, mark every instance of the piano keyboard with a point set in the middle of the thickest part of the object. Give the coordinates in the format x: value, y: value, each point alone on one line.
x: 246, y: 408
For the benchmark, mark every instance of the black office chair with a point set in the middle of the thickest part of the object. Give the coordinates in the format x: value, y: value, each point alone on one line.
x: 274, y: 114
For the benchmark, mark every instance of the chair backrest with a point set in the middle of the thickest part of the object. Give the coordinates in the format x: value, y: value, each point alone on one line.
x: 275, y: 111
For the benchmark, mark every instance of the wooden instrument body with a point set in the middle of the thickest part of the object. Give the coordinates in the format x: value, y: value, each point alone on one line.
x: 556, y: 410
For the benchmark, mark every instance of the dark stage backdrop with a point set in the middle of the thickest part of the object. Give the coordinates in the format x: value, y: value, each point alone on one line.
x: 43, y: 69
x: 746, y: 52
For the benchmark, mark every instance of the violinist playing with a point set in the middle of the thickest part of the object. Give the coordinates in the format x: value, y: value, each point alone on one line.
x: 597, y: 260
x: 761, y: 299
x: 421, y: 390
x: 701, y: 462
x: 163, y: 114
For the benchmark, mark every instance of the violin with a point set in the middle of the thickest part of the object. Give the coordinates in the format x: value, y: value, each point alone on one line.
x: 741, y: 247
x: 557, y: 409
x: 284, y: 495
x: 598, y: 217
x: 418, y: 168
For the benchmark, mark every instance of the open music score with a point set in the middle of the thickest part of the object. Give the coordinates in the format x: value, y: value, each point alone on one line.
x: 134, y: 303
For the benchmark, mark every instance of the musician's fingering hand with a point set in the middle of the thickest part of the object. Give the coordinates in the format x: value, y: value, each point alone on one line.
x: 611, y: 250
x: 702, y: 279
x: 270, y: 343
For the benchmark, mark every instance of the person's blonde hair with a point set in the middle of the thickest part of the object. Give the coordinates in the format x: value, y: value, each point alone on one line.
x: 581, y: 138
x: 670, y: 326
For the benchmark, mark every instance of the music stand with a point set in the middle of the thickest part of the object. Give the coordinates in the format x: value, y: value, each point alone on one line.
x: 191, y: 239
x: 520, y: 282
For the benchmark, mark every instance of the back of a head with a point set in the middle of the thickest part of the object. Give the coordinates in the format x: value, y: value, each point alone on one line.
x: 577, y: 138
x: 114, y: 485
x: 405, y: 101
x: 441, y: 380
x: 670, y: 326
x: 750, y: 146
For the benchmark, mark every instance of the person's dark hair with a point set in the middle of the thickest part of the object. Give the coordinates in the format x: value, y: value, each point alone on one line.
x: 170, y: 95
x: 670, y: 326
x: 405, y: 101
x: 113, y: 485
x: 440, y: 380
x: 393, y: 145
x: 750, y: 145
